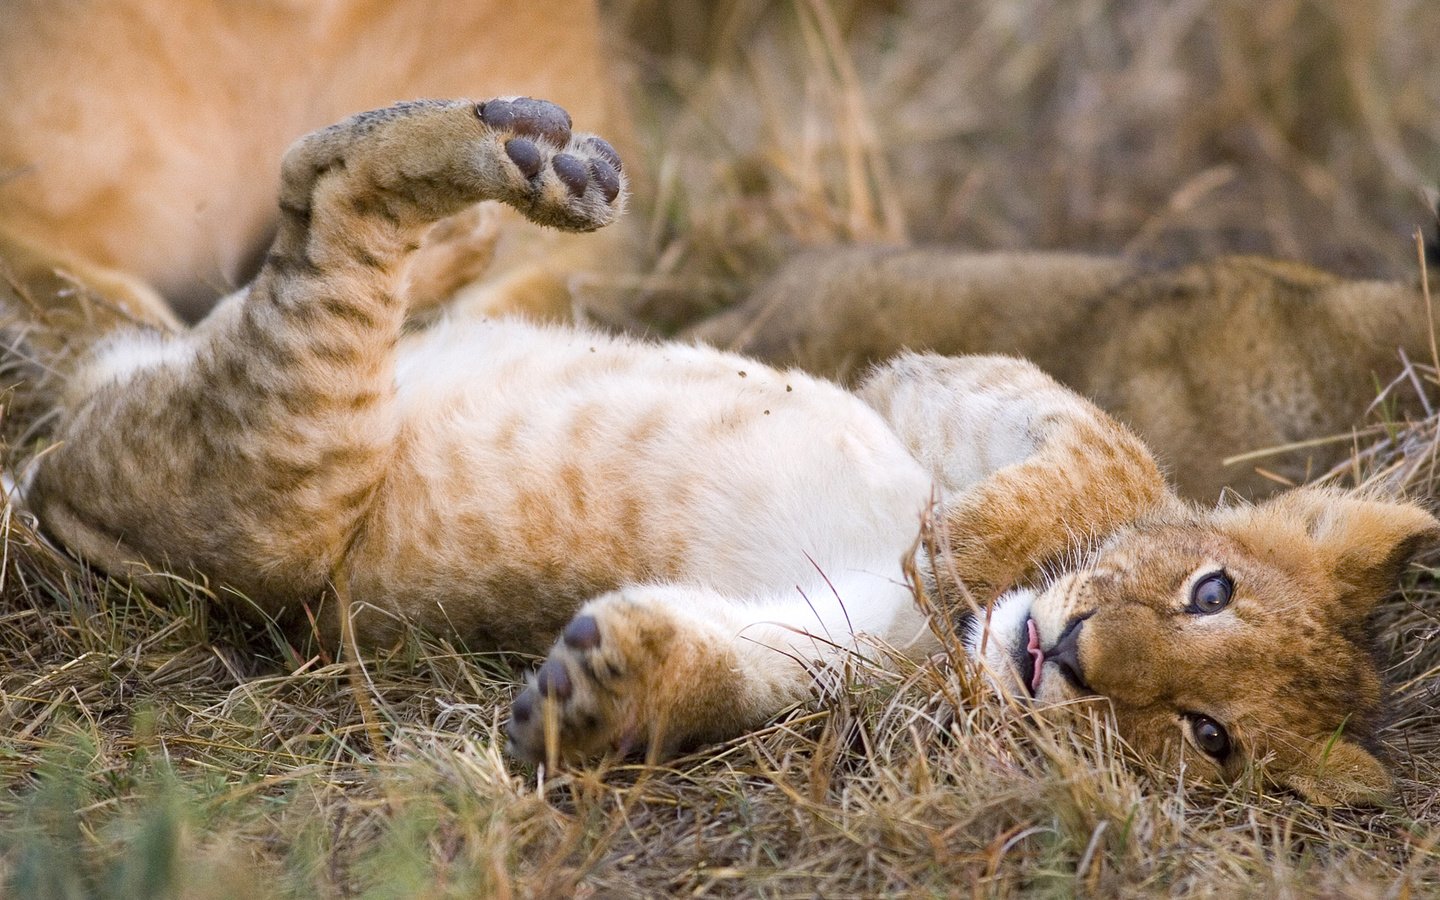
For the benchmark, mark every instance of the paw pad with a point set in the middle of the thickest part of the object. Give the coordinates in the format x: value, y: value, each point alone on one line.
x: 553, y: 680
x: 567, y: 180
x: 571, y: 172
x: 570, y: 687
x: 523, y: 708
x: 583, y: 633
x: 601, y: 147
x: 606, y: 178
x: 457, y: 153
x: 529, y: 117
x: 525, y: 155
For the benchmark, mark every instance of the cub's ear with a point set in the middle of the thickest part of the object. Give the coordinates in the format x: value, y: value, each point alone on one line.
x: 1341, y: 773
x: 1364, y: 543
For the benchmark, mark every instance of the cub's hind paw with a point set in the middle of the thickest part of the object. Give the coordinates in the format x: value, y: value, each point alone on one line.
x: 576, y: 180
x: 417, y: 162
x: 654, y: 669
x: 644, y: 670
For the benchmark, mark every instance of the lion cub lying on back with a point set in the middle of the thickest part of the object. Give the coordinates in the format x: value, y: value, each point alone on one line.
x: 697, y: 528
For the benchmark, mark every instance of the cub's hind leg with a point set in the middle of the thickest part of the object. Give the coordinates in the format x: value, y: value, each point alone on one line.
x: 247, y: 451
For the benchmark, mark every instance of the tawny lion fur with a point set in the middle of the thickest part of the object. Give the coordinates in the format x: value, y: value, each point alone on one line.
x: 140, y: 136
x: 699, y: 529
x: 1212, y: 360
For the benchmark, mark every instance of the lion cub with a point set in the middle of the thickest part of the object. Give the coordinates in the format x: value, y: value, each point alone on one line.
x: 697, y: 528
x: 1211, y: 360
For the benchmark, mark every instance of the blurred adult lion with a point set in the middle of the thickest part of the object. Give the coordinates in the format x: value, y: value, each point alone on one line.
x: 138, y: 137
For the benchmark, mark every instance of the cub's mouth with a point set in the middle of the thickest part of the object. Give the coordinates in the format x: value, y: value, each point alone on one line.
x: 1029, y: 659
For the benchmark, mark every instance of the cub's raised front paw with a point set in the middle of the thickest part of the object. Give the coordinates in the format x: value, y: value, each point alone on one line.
x: 575, y: 180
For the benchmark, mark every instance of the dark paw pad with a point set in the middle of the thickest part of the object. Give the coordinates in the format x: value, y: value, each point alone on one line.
x: 525, y: 155
x: 523, y: 708
x: 583, y: 633
x: 602, y: 148
x: 527, y: 116
x: 553, y: 680
x: 606, y: 178
x: 572, y: 173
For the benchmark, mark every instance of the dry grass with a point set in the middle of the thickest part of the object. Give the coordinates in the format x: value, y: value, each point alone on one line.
x: 155, y: 746
x: 1165, y: 131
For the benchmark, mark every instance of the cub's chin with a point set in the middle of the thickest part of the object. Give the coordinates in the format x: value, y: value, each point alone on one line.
x: 1012, y: 647
x: 1001, y: 644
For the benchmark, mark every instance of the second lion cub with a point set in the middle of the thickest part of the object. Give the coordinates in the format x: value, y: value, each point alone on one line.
x: 696, y: 528
x: 1210, y: 360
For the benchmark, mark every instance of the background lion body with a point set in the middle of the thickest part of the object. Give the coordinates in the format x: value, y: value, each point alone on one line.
x: 1206, y: 361
x: 143, y: 136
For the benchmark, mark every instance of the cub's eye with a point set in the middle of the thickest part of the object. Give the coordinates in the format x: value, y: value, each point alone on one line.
x: 1209, y: 735
x: 1211, y: 593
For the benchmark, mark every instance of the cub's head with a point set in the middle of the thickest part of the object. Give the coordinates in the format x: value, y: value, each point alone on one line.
x: 1227, y: 636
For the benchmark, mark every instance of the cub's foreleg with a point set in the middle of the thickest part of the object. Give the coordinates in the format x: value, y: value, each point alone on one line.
x: 1029, y: 469
x: 651, y: 669
x: 248, y: 450
x: 662, y: 667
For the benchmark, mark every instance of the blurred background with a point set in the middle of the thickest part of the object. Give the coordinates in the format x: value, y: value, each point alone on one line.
x: 1160, y: 130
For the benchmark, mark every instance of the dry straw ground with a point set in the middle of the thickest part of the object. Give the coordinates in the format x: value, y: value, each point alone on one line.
x: 153, y: 746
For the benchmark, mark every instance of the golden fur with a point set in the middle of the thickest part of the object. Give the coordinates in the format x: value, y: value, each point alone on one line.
x: 1287, y: 668
x: 710, y: 528
x: 294, y: 448
x: 140, y: 136
x: 1208, y: 361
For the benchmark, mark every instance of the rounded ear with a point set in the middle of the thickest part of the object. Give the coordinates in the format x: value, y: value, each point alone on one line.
x: 1341, y: 773
x: 1365, y: 543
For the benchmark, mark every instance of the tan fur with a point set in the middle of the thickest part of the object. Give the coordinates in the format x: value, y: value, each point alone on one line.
x: 1208, y: 361
x: 286, y: 401
x: 140, y: 136
x: 1287, y: 668
x: 713, y: 530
